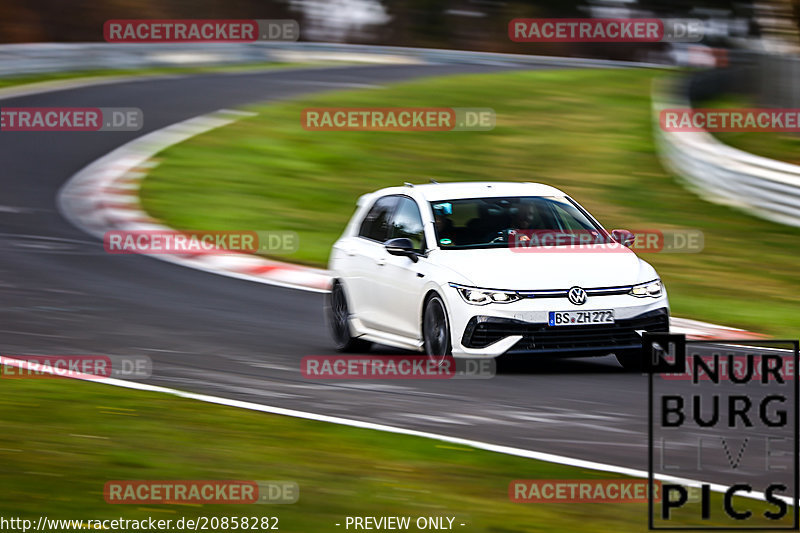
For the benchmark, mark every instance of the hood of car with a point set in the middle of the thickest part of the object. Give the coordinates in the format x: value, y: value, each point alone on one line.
x: 501, y: 268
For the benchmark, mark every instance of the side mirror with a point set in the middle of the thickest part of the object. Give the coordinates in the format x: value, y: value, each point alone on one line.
x: 624, y: 237
x: 402, y: 247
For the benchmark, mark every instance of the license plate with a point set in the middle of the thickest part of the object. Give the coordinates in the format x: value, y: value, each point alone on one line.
x: 576, y: 318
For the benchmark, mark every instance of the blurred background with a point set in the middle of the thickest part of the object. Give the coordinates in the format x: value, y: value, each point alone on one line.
x: 584, y: 126
x: 768, y: 25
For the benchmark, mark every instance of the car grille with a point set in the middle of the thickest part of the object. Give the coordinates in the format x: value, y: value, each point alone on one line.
x: 483, y: 331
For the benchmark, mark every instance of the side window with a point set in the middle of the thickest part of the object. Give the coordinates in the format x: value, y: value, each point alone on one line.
x: 375, y: 225
x: 407, y: 222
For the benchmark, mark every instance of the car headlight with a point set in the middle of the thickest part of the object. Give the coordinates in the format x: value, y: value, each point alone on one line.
x: 651, y: 289
x: 476, y: 296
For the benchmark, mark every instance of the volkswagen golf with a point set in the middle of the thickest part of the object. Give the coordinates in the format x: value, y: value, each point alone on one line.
x: 483, y: 269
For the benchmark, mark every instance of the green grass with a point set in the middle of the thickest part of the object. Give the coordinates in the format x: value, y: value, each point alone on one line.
x: 588, y: 132
x: 775, y: 145
x: 62, y: 440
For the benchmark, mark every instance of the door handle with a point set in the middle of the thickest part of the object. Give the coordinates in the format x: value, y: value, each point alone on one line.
x: 350, y: 252
x: 380, y: 261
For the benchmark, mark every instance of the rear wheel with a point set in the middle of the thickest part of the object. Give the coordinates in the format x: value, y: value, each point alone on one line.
x: 631, y: 360
x: 436, y: 330
x: 339, y: 321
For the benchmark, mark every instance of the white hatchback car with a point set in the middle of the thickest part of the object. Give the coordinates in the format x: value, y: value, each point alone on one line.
x: 484, y: 269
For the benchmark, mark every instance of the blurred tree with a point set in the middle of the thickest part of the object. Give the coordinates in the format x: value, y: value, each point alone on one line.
x: 465, y: 24
x: 82, y: 20
x: 794, y: 9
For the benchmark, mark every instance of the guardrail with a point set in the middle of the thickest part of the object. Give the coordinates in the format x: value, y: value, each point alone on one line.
x: 722, y: 174
x: 16, y: 59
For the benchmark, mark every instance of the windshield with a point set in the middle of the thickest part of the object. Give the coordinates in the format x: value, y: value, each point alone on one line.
x: 503, y: 222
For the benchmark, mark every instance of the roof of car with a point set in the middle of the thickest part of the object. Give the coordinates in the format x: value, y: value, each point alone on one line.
x: 473, y: 189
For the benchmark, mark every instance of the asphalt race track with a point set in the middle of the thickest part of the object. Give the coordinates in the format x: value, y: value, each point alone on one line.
x: 62, y: 294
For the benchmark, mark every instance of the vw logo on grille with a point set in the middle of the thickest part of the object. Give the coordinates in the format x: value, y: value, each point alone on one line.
x: 577, y: 296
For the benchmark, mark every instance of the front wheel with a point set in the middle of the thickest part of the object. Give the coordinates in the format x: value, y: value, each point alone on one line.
x: 631, y: 360
x: 436, y: 330
x: 339, y: 321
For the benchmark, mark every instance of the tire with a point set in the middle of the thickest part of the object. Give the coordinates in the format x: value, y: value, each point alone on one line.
x: 631, y: 360
x: 339, y: 323
x: 436, y: 330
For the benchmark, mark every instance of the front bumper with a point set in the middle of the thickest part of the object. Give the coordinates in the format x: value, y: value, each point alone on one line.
x: 521, y: 327
x: 482, y: 332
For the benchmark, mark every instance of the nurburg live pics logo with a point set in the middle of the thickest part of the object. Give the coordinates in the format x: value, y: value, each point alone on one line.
x: 726, y: 412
